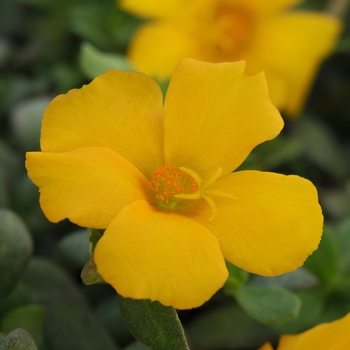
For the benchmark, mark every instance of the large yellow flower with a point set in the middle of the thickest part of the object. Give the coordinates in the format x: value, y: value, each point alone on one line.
x: 288, y: 46
x: 158, y: 179
x: 326, y: 336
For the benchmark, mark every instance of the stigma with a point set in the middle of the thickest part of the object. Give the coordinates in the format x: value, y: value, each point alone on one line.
x: 170, y: 183
x: 174, y: 188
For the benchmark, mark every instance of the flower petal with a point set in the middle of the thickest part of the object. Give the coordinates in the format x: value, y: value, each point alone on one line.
x: 88, y: 186
x: 271, y: 228
x: 266, y: 346
x: 150, y: 254
x: 266, y: 7
x: 215, y: 115
x: 158, y: 47
x: 293, y: 45
x: 119, y: 110
x: 322, y: 337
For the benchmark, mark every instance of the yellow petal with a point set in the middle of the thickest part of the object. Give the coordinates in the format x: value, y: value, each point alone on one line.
x: 215, y: 115
x: 293, y: 46
x: 325, y: 336
x: 266, y: 7
x: 271, y: 228
x: 158, y: 47
x: 88, y: 186
x: 266, y: 346
x: 119, y: 110
x: 153, y: 8
x: 157, y: 255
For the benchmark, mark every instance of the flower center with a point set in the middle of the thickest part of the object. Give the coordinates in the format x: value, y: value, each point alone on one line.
x: 173, y: 187
x: 229, y: 31
x: 170, y: 183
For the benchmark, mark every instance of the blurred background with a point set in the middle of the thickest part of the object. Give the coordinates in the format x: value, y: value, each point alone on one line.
x: 50, y: 46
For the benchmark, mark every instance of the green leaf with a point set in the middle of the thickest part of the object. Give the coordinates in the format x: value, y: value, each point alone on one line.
x: 30, y: 318
x: 268, y: 305
x: 15, y: 249
x: 75, y: 248
x: 89, y: 274
x: 70, y: 325
x: 43, y: 279
x: 227, y: 327
x: 26, y: 122
x: 236, y: 278
x: 153, y: 324
x: 324, y: 262
x: 94, y: 236
x: 94, y: 62
x: 342, y: 234
x: 19, y: 339
x: 19, y: 296
x: 321, y: 147
x: 313, y: 303
x: 136, y: 346
x: 300, y: 278
x: 108, y: 312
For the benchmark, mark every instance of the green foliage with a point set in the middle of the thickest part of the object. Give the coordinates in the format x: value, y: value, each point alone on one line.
x: 324, y: 262
x: 50, y: 46
x: 70, y: 325
x: 30, y: 318
x: 153, y: 324
x: 18, y: 339
x: 227, y: 327
x: 94, y: 62
x: 89, y: 274
x: 15, y: 250
x: 268, y: 305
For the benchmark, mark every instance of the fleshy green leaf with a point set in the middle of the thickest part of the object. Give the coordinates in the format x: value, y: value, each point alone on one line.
x: 324, y: 262
x: 94, y: 62
x: 89, y: 274
x: 43, y: 279
x: 313, y: 303
x: 236, y: 278
x: 26, y: 121
x: 153, y: 324
x: 75, y: 248
x: 70, y: 325
x: 227, y: 327
x: 108, y: 312
x: 268, y: 305
x: 30, y: 318
x: 94, y: 237
x: 16, y: 249
x: 300, y: 278
x: 19, y: 339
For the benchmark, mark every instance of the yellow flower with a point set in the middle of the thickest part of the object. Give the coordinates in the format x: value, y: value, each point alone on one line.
x: 158, y: 179
x: 288, y: 46
x: 326, y: 336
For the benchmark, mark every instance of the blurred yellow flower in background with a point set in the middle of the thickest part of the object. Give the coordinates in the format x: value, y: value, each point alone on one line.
x: 326, y: 336
x: 288, y: 45
x: 158, y: 179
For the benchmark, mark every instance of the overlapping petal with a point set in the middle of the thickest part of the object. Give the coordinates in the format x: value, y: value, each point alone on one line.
x: 150, y: 254
x: 333, y: 335
x: 266, y: 7
x: 109, y: 112
x: 292, y: 46
x: 165, y: 43
x: 215, y: 116
x: 88, y: 186
x: 271, y: 228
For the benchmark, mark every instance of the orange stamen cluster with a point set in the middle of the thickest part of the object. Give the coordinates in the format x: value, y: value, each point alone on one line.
x: 168, y: 181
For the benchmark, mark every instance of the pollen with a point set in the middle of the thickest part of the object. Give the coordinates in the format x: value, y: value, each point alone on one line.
x: 170, y: 184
